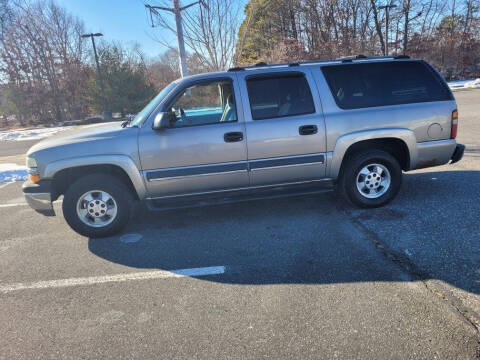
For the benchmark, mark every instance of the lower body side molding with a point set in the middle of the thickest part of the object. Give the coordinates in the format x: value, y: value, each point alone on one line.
x: 227, y: 197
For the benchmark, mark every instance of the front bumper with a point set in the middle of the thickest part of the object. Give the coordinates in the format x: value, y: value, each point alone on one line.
x: 39, y: 196
x: 458, y: 153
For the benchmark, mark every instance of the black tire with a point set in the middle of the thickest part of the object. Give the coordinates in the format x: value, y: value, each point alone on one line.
x: 348, y: 178
x: 103, y: 182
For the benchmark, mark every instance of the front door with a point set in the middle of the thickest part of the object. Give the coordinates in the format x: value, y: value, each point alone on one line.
x: 204, y: 149
x: 285, y: 127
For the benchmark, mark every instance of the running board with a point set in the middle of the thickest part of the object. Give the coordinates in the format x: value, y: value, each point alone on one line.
x: 227, y: 197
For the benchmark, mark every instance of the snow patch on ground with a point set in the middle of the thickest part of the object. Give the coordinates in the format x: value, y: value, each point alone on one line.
x: 29, y: 134
x: 13, y: 172
x: 464, y: 84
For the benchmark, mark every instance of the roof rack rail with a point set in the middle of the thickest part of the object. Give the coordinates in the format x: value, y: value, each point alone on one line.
x: 346, y: 59
x: 352, y: 57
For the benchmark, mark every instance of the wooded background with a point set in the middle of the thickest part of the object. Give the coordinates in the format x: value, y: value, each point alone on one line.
x: 443, y: 32
x: 48, y: 75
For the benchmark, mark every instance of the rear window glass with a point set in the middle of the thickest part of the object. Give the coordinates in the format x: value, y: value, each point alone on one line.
x: 279, y: 96
x: 380, y: 84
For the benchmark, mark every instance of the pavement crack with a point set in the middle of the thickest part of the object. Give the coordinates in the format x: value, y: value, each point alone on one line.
x: 417, y: 274
x: 399, y: 258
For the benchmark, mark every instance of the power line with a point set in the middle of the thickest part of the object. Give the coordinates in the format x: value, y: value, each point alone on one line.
x: 177, y: 11
x: 387, y: 15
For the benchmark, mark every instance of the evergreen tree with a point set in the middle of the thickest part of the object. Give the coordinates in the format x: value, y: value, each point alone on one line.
x: 127, y: 88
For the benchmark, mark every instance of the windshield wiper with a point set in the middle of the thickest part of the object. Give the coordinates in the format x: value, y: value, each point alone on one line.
x: 128, y: 121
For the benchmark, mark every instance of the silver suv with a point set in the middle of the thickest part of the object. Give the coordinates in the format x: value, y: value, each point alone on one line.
x: 253, y: 132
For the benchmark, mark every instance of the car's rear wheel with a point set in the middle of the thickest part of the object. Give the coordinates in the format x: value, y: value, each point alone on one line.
x: 371, y: 178
x: 97, y: 205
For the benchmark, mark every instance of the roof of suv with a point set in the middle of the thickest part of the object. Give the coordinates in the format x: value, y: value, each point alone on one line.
x: 264, y: 66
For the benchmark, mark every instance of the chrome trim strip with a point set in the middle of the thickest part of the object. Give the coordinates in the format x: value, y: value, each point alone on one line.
x: 197, y: 175
x: 195, y: 170
x: 284, y: 166
x: 227, y: 168
x: 287, y: 161
x: 238, y: 189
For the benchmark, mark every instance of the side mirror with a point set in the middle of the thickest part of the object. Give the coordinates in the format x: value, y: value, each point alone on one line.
x: 161, y: 121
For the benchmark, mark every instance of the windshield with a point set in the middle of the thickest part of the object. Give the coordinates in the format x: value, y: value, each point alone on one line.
x: 142, y: 115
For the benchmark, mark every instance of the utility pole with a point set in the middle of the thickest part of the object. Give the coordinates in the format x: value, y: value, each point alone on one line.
x: 387, y: 16
x: 107, y: 115
x: 177, y: 11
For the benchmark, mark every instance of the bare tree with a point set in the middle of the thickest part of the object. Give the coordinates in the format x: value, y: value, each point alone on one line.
x: 445, y: 32
x: 210, y: 31
x: 42, y: 59
x: 5, y: 15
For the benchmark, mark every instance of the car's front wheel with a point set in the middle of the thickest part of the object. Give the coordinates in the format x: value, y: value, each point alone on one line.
x: 371, y: 178
x: 97, y: 205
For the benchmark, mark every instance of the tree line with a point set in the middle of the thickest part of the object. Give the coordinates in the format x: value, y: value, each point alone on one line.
x: 48, y: 73
x: 443, y: 32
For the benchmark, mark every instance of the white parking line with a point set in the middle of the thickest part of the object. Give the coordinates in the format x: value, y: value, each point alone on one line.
x: 24, y: 204
x: 6, y: 184
x: 158, y: 274
x: 14, y: 204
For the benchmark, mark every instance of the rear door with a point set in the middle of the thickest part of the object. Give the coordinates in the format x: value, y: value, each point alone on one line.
x: 284, y: 125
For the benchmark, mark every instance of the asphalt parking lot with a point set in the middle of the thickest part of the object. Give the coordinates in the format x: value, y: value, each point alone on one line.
x: 305, y: 277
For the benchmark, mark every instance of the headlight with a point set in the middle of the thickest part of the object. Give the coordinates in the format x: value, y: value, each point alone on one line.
x: 31, y: 163
x: 32, y: 170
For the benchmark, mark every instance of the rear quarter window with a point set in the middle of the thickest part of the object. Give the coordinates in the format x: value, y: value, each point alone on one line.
x: 373, y: 84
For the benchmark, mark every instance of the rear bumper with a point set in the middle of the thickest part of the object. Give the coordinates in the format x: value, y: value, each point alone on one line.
x: 39, y: 196
x: 434, y: 153
x: 458, y: 153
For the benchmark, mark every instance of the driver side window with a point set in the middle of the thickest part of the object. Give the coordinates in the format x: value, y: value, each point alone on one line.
x: 202, y: 104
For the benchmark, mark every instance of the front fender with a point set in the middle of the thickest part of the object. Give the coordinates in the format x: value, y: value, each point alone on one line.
x: 345, y: 141
x: 122, y: 161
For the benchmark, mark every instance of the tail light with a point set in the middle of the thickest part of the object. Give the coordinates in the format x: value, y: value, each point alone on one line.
x: 453, y: 133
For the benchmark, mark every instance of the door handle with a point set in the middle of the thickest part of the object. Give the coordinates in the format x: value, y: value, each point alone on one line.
x: 307, y: 129
x: 233, y: 136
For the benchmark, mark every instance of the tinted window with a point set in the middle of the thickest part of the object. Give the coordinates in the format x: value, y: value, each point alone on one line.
x: 205, y: 103
x: 279, y: 96
x: 381, y: 84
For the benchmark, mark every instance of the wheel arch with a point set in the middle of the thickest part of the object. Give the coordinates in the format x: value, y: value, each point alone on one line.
x: 400, y: 143
x: 64, y: 172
